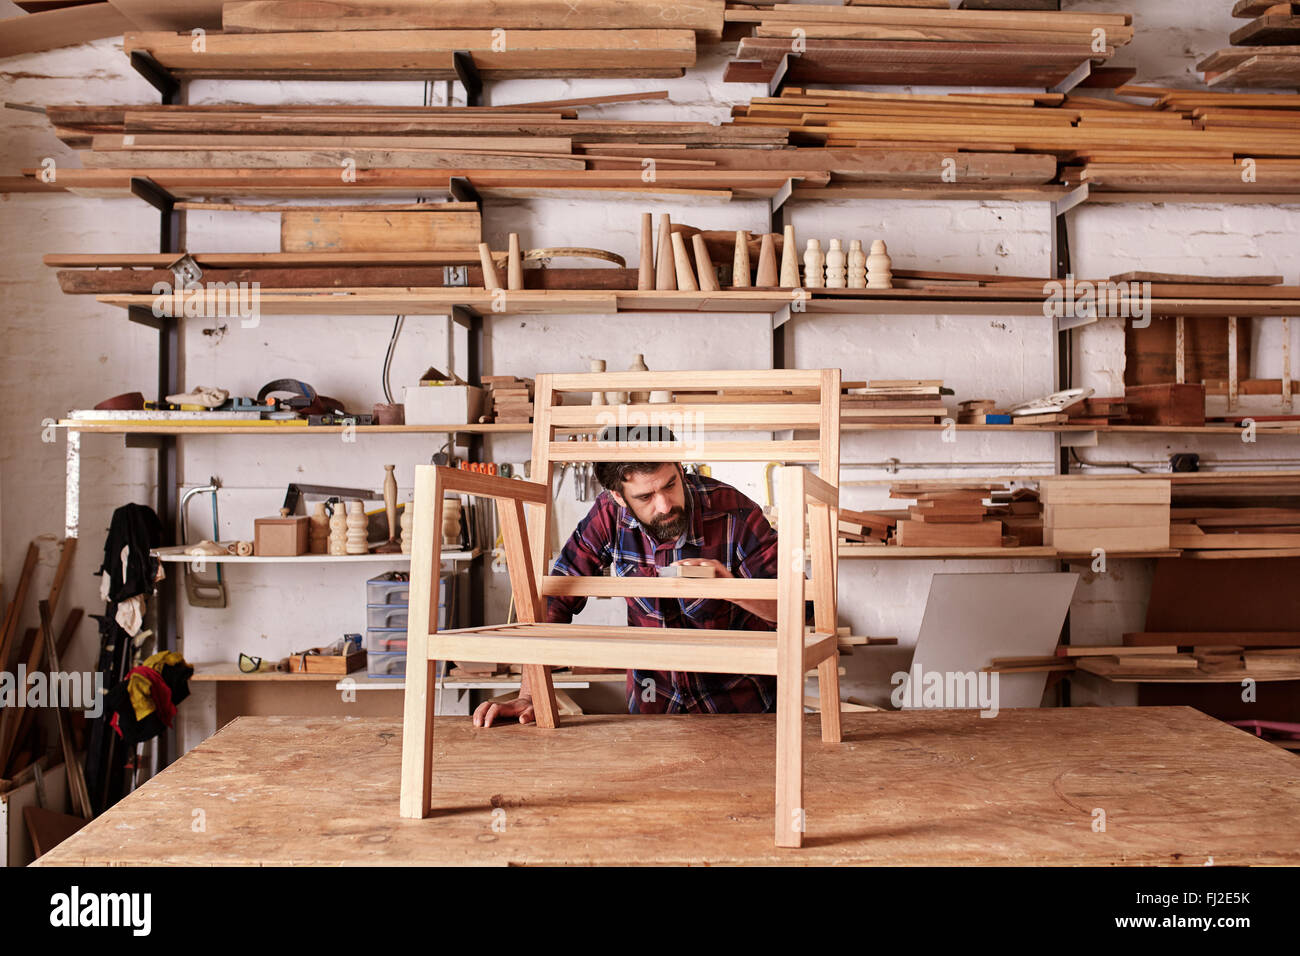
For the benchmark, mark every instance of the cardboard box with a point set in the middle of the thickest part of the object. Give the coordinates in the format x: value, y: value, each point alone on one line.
x: 281, y: 537
x: 443, y: 404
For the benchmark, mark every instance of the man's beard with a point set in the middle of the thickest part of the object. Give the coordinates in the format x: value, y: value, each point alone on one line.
x: 670, y: 526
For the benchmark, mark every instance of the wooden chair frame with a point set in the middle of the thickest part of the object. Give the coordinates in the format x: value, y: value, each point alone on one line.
x: 807, y: 504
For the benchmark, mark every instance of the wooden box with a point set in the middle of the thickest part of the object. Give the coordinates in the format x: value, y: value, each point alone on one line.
x: 281, y: 537
x: 1166, y: 404
x: 327, y: 663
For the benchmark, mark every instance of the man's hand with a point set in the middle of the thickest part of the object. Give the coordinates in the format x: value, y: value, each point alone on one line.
x: 487, y: 712
x: 761, y: 609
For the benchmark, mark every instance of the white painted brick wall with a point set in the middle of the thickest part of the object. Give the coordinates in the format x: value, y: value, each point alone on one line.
x: 63, y: 352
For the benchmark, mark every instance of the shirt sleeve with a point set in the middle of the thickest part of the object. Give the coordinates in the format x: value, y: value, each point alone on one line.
x: 586, y: 554
x: 756, y: 553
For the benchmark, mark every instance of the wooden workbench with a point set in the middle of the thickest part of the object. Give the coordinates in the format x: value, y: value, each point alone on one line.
x: 904, y: 788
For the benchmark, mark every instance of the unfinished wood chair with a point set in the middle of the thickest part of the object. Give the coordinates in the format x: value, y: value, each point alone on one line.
x: 807, y: 400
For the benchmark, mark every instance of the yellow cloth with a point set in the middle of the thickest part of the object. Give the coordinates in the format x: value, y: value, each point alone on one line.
x: 140, y: 688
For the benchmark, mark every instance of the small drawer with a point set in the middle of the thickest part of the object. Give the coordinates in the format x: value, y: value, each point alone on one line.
x: 385, y: 590
x: 385, y: 640
x: 386, y: 616
x: 386, y: 665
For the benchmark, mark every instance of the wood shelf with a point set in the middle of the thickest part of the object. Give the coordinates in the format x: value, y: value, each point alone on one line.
x: 885, y: 552
x: 925, y: 302
x: 177, y: 555
x: 1125, y: 675
x: 1280, y: 429
x: 226, y: 672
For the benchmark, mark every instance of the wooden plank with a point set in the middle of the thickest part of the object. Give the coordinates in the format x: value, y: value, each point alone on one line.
x: 400, y: 53
x: 1116, y: 650
x: 1181, y: 786
x: 15, y: 609
x: 1267, y: 30
x: 689, y: 451
x: 176, y: 15
x: 48, y: 829
x: 721, y: 589
x: 1148, y: 639
x: 33, y: 32
x: 416, y: 775
x: 791, y: 816
x: 275, y: 16
x: 687, y: 380
x: 347, y: 231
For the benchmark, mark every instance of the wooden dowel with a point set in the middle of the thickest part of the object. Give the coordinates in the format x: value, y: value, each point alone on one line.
x: 645, y: 277
x: 767, y: 272
x: 704, y: 266
x: 682, y: 261
x: 789, y: 260
x: 740, y: 264
x: 491, y: 280
x: 515, y: 264
x: 665, y: 273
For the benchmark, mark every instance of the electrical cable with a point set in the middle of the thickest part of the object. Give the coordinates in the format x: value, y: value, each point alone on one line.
x: 388, y: 358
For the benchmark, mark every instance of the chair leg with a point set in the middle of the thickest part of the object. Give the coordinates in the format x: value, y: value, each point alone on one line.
x: 417, y: 742
x: 828, y: 692
x: 544, y: 706
x: 790, y: 822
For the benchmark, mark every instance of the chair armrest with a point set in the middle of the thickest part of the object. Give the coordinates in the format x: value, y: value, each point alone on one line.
x: 492, y: 486
x: 820, y: 490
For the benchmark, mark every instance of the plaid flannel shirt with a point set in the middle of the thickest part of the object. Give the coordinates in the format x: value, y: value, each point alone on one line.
x: 721, y: 523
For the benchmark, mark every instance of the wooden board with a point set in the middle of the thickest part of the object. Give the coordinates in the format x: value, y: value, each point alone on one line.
x: 272, y: 16
x: 1225, y: 596
x: 347, y: 231
x: 180, y: 16
x: 48, y: 829
x: 33, y: 32
x: 1151, y: 352
x: 1179, y: 788
x: 1267, y: 30
x: 423, y: 53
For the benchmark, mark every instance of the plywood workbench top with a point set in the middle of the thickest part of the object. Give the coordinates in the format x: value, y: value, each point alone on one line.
x: 904, y: 788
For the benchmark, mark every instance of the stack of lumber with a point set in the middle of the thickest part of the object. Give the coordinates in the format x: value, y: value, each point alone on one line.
x: 893, y: 402
x: 1095, y: 410
x: 862, y: 527
x: 921, y: 42
x: 1182, y: 141
x: 1021, y: 512
x: 1264, y: 52
x: 360, y: 151
x: 1243, y: 531
x: 1177, y: 656
x: 1081, y: 513
x: 509, y: 400
x: 954, y: 517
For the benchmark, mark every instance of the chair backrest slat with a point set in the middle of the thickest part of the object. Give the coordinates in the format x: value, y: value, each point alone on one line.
x: 726, y: 400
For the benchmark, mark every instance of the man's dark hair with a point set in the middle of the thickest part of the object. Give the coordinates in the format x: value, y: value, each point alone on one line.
x: 612, y: 474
